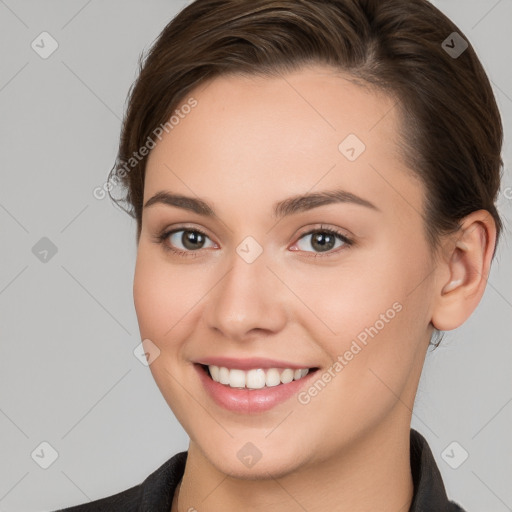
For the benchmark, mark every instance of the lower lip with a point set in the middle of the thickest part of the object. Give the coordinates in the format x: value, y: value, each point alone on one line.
x: 250, y: 401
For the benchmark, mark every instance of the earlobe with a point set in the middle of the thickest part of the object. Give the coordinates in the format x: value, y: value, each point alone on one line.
x: 464, y: 271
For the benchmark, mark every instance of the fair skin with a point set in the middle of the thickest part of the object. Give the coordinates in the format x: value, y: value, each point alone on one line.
x: 249, y: 143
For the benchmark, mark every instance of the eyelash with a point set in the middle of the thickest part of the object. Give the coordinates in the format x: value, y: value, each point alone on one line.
x: 162, y: 237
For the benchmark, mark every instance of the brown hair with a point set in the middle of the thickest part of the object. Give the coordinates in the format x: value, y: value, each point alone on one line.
x: 451, y: 130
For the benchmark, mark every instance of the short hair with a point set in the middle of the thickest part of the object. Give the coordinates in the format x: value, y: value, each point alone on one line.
x: 450, y: 133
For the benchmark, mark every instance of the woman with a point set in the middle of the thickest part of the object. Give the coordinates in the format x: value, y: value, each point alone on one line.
x: 314, y: 185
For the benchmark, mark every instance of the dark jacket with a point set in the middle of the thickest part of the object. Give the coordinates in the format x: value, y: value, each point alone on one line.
x: 155, y: 493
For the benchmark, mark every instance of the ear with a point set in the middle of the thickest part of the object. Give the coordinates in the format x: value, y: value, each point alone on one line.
x: 463, y: 270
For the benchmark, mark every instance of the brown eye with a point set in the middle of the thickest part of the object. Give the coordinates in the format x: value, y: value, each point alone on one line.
x: 190, y: 239
x: 185, y: 240
x: 322, y: 240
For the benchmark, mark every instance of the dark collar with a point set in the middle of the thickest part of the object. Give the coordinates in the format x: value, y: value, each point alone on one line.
x: 429, y: 492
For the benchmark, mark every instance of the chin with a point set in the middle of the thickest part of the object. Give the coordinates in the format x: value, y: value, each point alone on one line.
x: 254, y: 461
x: 264, y: 469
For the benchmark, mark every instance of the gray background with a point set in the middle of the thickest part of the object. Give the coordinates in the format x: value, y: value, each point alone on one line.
x: 68, y: 375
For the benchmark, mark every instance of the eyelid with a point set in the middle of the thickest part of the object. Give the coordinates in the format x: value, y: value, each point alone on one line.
x: 183, y: 227
x: 323, y: 227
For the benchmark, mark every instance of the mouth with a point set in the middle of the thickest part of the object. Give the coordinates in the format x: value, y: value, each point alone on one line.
x: 257, y: 378
x: 253, y: 390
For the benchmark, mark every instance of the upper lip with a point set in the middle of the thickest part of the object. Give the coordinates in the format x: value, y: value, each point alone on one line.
x: 250, y: 363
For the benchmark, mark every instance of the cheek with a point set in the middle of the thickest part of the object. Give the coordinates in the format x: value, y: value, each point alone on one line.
x: 340, y: 302
x: 148, y: 296
x: 166, y: 296
x: 373, y: 315
x: 158, y: 292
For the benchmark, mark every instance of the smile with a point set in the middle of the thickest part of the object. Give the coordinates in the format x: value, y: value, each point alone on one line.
x: 257, y: 378
x: 246, y: 391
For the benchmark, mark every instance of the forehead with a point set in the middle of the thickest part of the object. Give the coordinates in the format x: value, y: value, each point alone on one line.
x: 272, y: 137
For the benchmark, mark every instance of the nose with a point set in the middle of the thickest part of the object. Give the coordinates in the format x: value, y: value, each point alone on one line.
x: 248, y: 300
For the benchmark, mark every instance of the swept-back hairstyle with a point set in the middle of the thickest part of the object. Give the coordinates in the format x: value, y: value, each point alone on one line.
x: 450, y: 126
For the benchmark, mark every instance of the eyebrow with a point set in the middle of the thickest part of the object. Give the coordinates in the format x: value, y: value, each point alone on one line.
x: 289, y: 206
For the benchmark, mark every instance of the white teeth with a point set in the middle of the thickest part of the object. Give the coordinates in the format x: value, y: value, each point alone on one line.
x: 223, y: 375
x: 237, y: 378
x: 214, y: 370
x: 257, y: 378
x: 287, y: 376
x: 272, y: 378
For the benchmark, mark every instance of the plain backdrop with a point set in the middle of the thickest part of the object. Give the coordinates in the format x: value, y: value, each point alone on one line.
x: 68, y: 375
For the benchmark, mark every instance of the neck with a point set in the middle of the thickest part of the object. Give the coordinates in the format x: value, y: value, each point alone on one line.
x: 372, y: 474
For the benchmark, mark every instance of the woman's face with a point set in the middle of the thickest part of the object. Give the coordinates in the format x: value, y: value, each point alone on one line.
x: 267, y: 282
